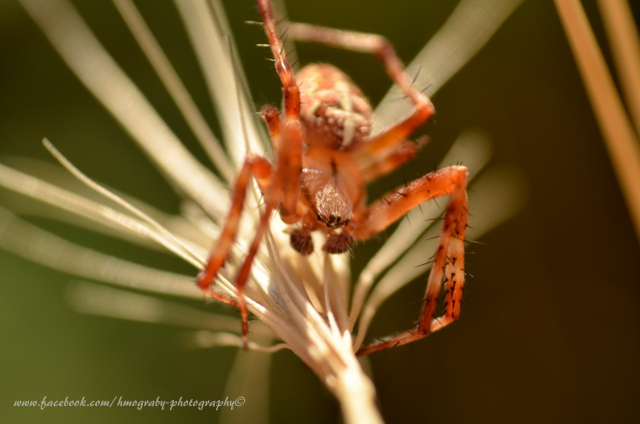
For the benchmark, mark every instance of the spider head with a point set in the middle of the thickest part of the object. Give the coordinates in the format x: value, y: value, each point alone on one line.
x: 333, y: 205
x: 334, y: 210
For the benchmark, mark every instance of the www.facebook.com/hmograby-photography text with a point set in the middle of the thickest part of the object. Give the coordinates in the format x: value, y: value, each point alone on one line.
x: 118, y: 401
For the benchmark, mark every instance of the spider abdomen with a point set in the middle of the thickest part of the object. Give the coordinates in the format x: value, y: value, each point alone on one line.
x: 333, y: 110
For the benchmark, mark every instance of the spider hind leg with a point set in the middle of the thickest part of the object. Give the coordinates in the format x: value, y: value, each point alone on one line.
x: 448, y: 263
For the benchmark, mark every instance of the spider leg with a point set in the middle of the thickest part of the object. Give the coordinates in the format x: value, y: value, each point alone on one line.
x: 284, y: 187
x: 381, y: 47
x: 245, y: 269
x: 289, y: 146
x: 448, y: 266
x: 261, y: 170
x: 387, y: 161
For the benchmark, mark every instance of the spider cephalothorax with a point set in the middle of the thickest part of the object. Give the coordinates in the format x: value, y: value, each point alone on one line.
x: 324, y: 158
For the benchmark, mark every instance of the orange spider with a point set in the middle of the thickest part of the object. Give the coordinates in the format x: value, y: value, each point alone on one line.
x: 324, y: 157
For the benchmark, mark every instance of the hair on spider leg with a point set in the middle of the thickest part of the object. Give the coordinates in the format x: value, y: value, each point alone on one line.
x: 422, y: 90
x: 424, y: 264
x: 415, y: 77
x: 421, y: 211
x: 415, y: 327
x: 282, y: 52
x: 437, y: 319
x: 475, y: 242
x: 448, y: 261
x: 444, y: 303
x: 283, y: 37
x: 395, y: 99
x: 426, y: 88
x: 463, y: 303
x: 281, y: 20
x: 404, y: 179
x: 440, y: 218
x: 254, y: 23
x: 406, y: 216
x: 290, y: 52
x: 379, y: 341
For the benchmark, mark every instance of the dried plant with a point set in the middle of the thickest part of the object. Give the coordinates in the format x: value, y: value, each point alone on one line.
x: 619, y: 125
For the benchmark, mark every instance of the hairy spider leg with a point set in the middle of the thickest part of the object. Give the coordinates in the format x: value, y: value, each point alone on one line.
x: 448, y: 265
x: 289, y: 149
x: 261, y: 170
x: 280, y: 185
x: 377, y: 148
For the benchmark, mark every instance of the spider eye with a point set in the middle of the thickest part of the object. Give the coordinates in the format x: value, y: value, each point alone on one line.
x: 334, y: 221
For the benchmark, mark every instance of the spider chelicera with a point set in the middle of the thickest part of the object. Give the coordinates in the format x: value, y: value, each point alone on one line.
x: 325, y: 156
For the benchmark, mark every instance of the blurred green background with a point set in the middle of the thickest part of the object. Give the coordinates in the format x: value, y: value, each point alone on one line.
x: 551, y: 330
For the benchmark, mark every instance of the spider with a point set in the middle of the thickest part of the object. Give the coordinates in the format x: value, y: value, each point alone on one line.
x: 325, y: 156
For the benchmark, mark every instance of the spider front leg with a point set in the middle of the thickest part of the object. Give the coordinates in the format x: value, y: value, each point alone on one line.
x: 288, y: 147
x: 448, y: 264
x: 261, y: 170
x: 280, y: 186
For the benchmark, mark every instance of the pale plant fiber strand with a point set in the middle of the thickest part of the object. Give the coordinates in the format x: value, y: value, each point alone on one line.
x: 620, y: 137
